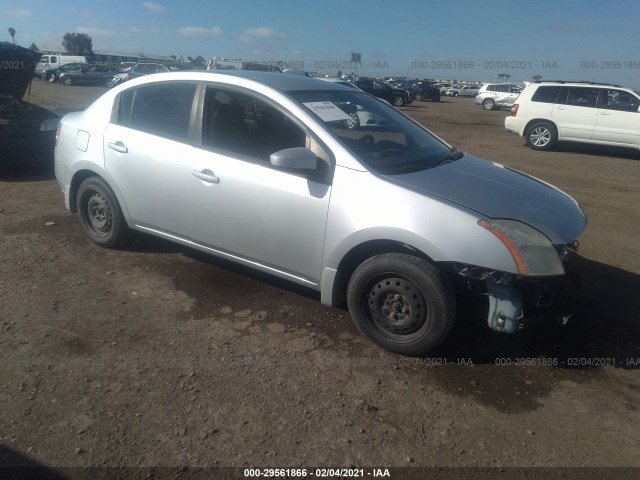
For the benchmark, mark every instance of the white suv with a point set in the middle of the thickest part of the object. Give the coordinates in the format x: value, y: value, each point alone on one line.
x: 548, y: 112
x: 493, y: 96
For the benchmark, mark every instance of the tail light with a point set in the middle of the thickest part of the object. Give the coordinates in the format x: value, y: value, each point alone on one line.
x: 514, y: 109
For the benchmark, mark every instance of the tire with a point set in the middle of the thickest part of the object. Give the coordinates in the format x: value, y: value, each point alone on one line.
x: 541, y: 136
x: 435, y: 98
x: 402, y: 303
x: 51, y: 78
x: 108, y: 82
x: 67, y: 81
x: 398, y: 101
x: 100, y: 214
x: 353, y: 122
x: 488, y: 104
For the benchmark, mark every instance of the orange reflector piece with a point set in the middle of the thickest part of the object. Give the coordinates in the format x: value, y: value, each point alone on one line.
x: 521, y: 265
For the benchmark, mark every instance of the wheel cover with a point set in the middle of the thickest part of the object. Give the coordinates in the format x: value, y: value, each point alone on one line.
x: 398, y: 102
x: 488, y: 104
x: 395, y: 307
x: 540, y: 136
x: 352, y: 122
x: 98, y: 215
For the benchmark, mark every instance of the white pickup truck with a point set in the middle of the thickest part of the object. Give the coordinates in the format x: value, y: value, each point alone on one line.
x: 49, y: 61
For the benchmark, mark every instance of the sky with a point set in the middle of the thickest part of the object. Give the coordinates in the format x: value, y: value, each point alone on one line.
x: 451, y: 40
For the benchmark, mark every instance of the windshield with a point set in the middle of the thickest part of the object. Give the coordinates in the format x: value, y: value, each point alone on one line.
x: 382, y: 138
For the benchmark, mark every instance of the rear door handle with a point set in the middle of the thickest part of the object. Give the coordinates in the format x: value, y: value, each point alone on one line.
x: 206, y: 176
x: 118, y: 147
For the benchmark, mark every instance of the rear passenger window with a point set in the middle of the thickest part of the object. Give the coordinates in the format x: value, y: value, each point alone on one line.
x: 546, y: 94
x: 163, y: 109
x: 582, y: 96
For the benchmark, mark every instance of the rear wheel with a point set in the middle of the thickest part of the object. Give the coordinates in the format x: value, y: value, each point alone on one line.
x: 51, y: 77
x: 488, y: 104
x: 541, y: 136
x: 100, y: 214
x: 402, y: 303
x: 398, y: 101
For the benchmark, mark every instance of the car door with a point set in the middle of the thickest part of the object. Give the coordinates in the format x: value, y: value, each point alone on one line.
x: 618, y: 118
x: 245, y: 207
x: 576, y: 112
x: 147, y: 151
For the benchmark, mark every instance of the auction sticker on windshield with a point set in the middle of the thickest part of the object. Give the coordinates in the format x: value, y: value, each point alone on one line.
x: 327, y: 111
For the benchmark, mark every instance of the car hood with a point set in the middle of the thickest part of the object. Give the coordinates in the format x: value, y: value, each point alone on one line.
x: 496, y: 192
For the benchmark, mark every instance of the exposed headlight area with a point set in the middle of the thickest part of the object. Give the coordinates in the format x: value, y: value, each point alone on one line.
x: 532, y: 252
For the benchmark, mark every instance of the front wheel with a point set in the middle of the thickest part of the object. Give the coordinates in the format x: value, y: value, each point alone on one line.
x: 402, y: 303
x: 100, y: 214
x: 541, y: 136
x: 353, y: 122
x: 51, y: 78
x: 67, y: 81
x: 398, y: 101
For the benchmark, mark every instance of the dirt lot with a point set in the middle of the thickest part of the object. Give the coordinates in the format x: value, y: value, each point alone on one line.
x: 156, y: 356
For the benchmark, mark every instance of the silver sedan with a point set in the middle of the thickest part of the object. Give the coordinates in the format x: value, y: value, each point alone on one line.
x: 264, y: 169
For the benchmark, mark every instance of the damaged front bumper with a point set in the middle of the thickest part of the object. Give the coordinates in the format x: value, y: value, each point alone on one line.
x: 511, y: 294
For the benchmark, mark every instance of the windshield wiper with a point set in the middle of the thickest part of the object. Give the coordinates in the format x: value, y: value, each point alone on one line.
x: 454, y: 154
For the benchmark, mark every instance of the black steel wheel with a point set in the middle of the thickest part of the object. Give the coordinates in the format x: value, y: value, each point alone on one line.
x: 402, y: 303
x: 100, y: 213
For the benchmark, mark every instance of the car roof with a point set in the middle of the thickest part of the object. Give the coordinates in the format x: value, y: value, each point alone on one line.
x: 286, y: 82
x: 278, y: 81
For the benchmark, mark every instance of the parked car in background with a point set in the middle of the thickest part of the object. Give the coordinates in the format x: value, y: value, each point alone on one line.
x: 547, y: 112
x: 142, y: 69
x: 91, y: 75
x: 27, y: 132
x: 258, y: 168
x: 53, y: 74
x: 452, y: 91
x: 395, y: 96
x: 469, y: 91
x: 52, y: 61
x: 428, y: 91
x: 493, y: 96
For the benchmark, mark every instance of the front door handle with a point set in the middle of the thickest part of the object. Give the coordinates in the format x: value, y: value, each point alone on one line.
x: 206, y: 176
x: 118, y: 147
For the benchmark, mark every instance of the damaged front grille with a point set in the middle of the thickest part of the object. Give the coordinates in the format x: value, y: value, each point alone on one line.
x: 484, y: 274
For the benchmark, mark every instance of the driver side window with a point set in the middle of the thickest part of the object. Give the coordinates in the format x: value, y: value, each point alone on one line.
x: 247, y: 126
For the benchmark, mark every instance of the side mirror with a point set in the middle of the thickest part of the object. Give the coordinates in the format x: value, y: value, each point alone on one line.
x: 298, y: 158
